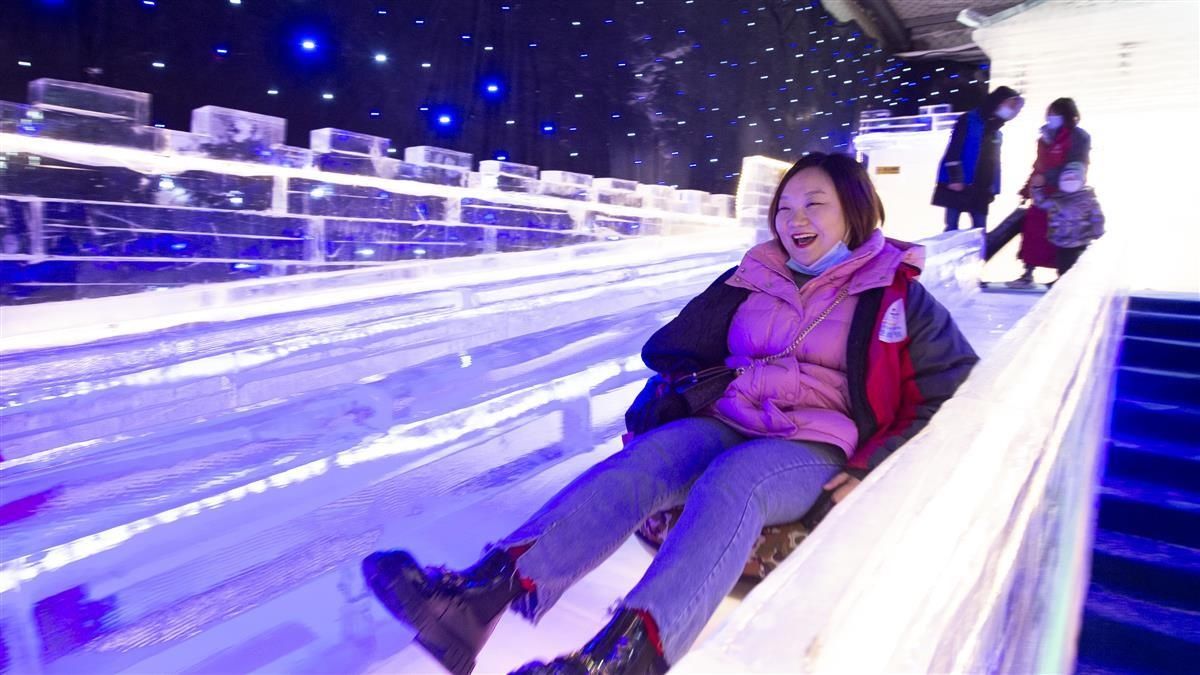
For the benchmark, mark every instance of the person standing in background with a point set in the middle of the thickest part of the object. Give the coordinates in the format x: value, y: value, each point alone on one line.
x: 969, y: 174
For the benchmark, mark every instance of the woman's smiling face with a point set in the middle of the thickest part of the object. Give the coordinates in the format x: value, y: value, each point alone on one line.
x: 809, y: 221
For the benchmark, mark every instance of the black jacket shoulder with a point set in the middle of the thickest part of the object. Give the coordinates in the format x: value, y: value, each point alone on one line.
x: 699, y: 336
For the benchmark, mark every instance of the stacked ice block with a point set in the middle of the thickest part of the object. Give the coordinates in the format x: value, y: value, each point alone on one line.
x: 95, y: 202
x: 567, y: 185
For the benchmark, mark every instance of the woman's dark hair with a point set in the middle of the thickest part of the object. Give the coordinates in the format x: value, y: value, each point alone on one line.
x: 1066, y: 108
x: 860, y: 203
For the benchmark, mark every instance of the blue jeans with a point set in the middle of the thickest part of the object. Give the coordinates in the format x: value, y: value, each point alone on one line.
x: 952, y: 216
x: 731, y: 487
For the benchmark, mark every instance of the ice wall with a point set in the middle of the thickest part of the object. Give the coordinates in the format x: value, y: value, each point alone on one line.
x: 902, y: 155
x: 95, y: 202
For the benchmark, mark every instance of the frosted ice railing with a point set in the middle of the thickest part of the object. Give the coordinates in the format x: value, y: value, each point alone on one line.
x: 968, y: 551
x: 95, y: 202
x: 928, y: 118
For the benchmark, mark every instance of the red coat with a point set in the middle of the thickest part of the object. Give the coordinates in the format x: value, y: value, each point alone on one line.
x: 1053, y: 152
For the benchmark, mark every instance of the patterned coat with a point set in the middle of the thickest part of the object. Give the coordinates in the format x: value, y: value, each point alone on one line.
x: 1074, y: 219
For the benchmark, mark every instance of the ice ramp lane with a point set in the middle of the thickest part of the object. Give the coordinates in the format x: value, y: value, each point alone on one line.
x: 138, y: 523
x: 148, y: 459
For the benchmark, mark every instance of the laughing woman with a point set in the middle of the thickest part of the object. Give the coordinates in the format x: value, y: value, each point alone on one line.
x: 836, y: 356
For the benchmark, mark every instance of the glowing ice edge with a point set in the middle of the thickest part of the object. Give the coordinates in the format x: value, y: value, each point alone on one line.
x: 402, y: 439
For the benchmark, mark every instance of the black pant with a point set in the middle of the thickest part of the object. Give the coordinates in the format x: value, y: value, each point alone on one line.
x: 1065, y: 258
x: 977, y: 220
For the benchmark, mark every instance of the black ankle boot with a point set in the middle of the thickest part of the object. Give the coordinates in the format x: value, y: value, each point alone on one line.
x: 623, y: 647
x: 453, y: 613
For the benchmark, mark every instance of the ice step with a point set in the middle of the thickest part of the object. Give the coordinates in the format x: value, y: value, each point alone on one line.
x: 1159, y: 386
x: 1181, y: 356
x: 1162, y: 422
x: 1188, y: 305
x: 1161, y: 325
x: 1150, y: 510
x: 1175, y: 466
x: 1129, y: 635
x: 1151, y: 570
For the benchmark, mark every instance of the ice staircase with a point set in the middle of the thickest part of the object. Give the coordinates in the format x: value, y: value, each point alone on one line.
x: 1142, y: 612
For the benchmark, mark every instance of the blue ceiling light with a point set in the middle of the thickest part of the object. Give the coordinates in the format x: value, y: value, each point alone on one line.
x: 308, y: 44
x: 500, y: 155
x: 548, y: 128
x: 493, y: 88
x: 445, y: 119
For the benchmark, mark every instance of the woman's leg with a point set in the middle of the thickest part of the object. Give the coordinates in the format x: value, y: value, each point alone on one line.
x: 590, y: 518
x: 952, y: 216
x: 979, y: 220
x: 760, y: 482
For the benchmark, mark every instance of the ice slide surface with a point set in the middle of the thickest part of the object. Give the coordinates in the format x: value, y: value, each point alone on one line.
x: 195, y: 571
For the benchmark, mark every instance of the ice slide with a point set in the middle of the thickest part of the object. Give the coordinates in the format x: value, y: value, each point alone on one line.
x: 229, y: 540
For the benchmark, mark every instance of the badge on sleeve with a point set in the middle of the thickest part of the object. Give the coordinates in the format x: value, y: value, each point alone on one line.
x: 893, y: 328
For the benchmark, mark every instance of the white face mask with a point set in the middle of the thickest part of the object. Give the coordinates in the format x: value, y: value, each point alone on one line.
x: 838, y: 254
x: 1005, y: 113
x: 1069, y: 185
x: 1053, y: 121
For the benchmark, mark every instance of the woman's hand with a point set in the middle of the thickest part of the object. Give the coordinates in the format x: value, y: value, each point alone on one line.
x: 841, y: 485
x: 957, y: 187
x: 1038, y: 180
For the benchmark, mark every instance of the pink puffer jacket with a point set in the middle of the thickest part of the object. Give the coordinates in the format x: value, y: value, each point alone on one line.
x: 804, y: 396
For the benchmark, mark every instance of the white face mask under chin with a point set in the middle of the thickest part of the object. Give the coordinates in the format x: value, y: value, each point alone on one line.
x: 1054, y: 122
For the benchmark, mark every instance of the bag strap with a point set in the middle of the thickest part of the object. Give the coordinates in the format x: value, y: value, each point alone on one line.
x: 804, y: 333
